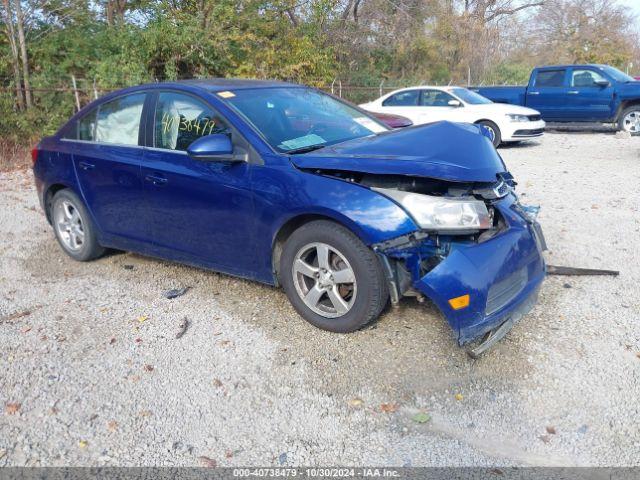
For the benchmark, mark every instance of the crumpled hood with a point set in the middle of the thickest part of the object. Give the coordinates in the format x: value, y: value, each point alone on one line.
x: 456, y: 152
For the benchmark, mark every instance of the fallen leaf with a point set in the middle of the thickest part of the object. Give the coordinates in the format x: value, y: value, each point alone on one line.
x: 228, y: 454
x: 146, y: 413
x: 138, y: 340
x: 82, y: 444
x: 112, y: 341
x: 551, y: 430
x: 421, y: 417
x: 208, y: 462
x: 112, y: 426
x: 388, y: 407
x: 458, y: 397
x: 12, y: 408
x: 638, y: 354
x: 26, y: 329
x: 148, y: 368
x: 217, y: 382
x: 594, y: 207
x: 356, y: 402
x: 142, y: 318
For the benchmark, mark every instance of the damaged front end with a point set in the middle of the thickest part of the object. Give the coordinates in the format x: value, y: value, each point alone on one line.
x: 485, y: 273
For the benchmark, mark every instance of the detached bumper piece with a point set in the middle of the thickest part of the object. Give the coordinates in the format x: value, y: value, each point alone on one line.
x: 501, y: 277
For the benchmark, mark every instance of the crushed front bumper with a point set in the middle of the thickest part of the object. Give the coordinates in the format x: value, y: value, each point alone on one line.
x: 501, y: 275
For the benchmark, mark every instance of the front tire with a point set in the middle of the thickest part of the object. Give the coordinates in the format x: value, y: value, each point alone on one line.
x: 629, y: 120
x: 493, y: 128
x: 332, y: 279
x: 73, y: 227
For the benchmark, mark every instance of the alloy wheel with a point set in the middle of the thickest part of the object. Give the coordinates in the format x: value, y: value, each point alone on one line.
x: 69, y: 225
x: 631, y: 122
x: 324, y: 280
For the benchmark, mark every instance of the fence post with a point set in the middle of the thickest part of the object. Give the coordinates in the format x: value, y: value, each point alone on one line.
x: 380, y: 88
x: 75, y: 91
x: 95, y: 90
x: 340, y: 88
x: 332, y: 83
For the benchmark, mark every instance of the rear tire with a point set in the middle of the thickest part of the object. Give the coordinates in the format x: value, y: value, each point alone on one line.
x: 332, y: 279
x: 497, y: 136
x: 73, y: 227
x: 629, y: 120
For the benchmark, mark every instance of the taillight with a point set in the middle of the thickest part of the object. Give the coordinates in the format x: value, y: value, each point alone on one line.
x: 34, y: 155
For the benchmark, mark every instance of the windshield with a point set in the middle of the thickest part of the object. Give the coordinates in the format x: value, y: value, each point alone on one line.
x: 467, y: 96
x: 617, y: 75
x: 300, y: 119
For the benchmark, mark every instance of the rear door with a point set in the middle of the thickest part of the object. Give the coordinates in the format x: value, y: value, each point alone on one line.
x: 106, y: 154
x: 199, y: 211
x: 548, y: 93
x: 586, y: 99
x: 404, y: 103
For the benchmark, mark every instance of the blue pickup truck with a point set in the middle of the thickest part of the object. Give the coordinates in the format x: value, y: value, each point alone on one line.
x: 577, y: 93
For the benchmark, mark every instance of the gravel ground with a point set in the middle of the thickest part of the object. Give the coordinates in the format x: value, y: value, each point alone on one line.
x: 93, y: 374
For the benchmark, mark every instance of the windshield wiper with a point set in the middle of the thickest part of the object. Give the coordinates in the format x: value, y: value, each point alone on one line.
x: 308, y: 148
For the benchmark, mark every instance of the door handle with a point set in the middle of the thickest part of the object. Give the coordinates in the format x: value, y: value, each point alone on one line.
x: 534, y: 93
x: 86, y: 165
x: 156, y: 180
x: 573, y: 92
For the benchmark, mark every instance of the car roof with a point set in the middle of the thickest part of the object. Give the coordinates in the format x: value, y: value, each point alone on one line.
x: 578, y: 65
x: 218, y: 84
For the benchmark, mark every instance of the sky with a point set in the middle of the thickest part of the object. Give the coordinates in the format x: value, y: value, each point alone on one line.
x: 634, y: 5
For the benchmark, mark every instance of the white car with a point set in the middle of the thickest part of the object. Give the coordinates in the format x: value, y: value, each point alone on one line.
x: 507, y: 123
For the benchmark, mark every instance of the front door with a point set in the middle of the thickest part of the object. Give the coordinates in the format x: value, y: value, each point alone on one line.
x: 587, y: 100
x: 199, y: 211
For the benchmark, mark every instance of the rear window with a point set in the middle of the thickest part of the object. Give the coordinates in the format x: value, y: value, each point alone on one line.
x: 408, y: 98
x: 550, y: 78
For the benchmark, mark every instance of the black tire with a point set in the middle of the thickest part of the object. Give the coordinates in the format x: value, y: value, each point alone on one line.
x: 621, y: 119
x: 89, y: 249
x: 372, y: 290
x: 497, y: 136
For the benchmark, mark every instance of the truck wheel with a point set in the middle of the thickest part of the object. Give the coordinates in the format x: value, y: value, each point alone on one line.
x: 73, y: 227
x: 332, y: 279
x: 494, y: 130
x: 629, y: 120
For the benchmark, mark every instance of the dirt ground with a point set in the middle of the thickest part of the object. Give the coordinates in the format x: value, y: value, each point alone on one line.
x: 91, y: 372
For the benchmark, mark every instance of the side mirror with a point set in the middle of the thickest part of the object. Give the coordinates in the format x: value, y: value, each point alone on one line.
x: 216, y: 147
x: 454, y: 103
x: 602, y: 83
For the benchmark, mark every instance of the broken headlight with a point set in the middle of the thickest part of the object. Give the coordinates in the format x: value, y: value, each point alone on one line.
x: 453, y: 215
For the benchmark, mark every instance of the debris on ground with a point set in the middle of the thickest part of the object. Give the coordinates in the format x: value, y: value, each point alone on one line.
x: 182, y: 328
x: 176, y: 292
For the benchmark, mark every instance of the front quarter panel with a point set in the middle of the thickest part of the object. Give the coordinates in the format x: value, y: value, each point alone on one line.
x: 284, y: 193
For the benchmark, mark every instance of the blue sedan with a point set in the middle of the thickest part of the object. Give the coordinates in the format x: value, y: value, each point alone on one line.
x: 286, y: 185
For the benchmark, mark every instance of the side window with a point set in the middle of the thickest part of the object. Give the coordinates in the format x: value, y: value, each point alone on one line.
x: 408, y: 98
x: 181, y: 119
x: 87, y: 127
x: 550, y: 78
x: 118, y: 121
x: 585, y: 78
x: 435, y: 98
